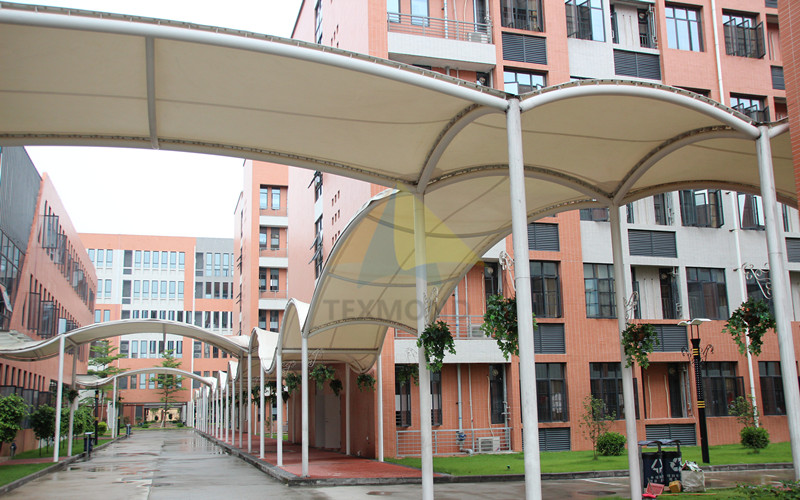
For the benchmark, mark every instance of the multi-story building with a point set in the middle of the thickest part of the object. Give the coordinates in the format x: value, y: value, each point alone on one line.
x: 690, y: 254
x: 47, y: 282
x: 189, y: 280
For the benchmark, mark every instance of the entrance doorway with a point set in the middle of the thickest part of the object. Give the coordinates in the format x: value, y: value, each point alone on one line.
x: 327, y: 421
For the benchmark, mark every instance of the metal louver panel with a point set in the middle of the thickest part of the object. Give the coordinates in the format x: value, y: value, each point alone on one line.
x: 652, y: 243
x: 773, y: 4
x: 554, y: 439
x: 524, y: 48
x: 549, y: 339
x: 793, y: 249
x: 685, y: 433
x: 673, y: 338
x: 543, y: 237
x: 637, y: 64
x: 778, y: 81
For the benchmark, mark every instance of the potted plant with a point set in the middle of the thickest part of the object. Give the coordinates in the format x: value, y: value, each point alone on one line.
x: 753, y: 318
x: 322, y: 374
x: 500, y: 322
x: 293, y: 381
x: 365, y: 381
x: 436, y: 339
x: 638, y: 341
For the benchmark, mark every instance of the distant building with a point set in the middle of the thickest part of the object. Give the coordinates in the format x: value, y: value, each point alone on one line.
x: 47, y: 283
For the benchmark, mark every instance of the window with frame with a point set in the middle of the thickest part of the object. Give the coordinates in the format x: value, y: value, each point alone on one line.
x: 743, y: 37
x: 772, y: 397
x: 262, y: 279
x: 787, y: 218
x: 137, y: 258
x: 262, y: 319
x: 594, y: 214
x: 393, y: 10
x: 721, y: 386
x: 551, y: 392
x: 585, y: 19
x: 684, y: 28
x: 522, y: 14
x: 274, y: 280
x: 522, y: 82
x: 275, y: 198
x: 419, y: 13
x: 662, y: 209
x: 707, y: 293
x: 606, y: 385
x: 751, y: 211
x: 752, y: 106
x: 436, y: 398
x: 545, y: 289
x: 402, y: 400
x: 164, y: 260
x: 701, y: 208
x: 318, y: 23
x: 275, y: 238
x: 263, y: 197
x: 274, y: 320
x: 598, y: 281
x: 262, y: 238
x: 497, y: 402
x: 317, y: 246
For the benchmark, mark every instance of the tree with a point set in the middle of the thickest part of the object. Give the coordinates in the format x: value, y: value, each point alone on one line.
x: 13, y: 409
x: 168, y: 384
x: 595, y: 420
x: 43, y: 423
x: 102, y: 359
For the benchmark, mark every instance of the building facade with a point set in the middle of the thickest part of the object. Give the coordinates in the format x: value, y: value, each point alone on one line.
x: 48, y: 284
x: 691, y: 254
x: 183, y: 279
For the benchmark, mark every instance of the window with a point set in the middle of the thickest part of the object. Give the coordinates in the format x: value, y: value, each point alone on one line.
x: 198, y: 264
x: 217, y: 264
x: 751, y: 211
x: 124, y: 346
x: 594, y: 214
x: 163, y: 289
x: 273, y: 321
x: 701, y: 208
x: 402, y: 397
x: 209, y: 264
x: 419, y: 12
x: 263, y: 197
x: 522, y: 14
x: 317, y: 246
x: 598, y: 281
x: 276, y: 198
x: 173, y: 260
x: 91, y: 255
x: 181, y: 261
x: 262, y: 238
x: 134, y: 348
x: 721, y: 386
x: 545, y: 289
x: 146, y: 289
x: 772, y: 401
x: 142, y: 381
x: 109, y: 257
x: 317, y: 25
x: 197, y: 349
x: 262, y: 279
x: 393, y: 9
x: 99, y: 288
x: 778, y: 80
x: 662, y: 208
x: 106, y: 316
x: 146, y: 259
x: 273, y: 280
x: 752, y: 106
x: 707, y: 293
x: 275, y: 238
x: 172, y: 288
x: 551, y: 392
x: 180, y: 291
x: 436, y: 398
x: 606, y: 384
x: 743, y: 37
x: 137, y: 289
x: 262, y: 320
x: 585, y: 19
x: 226, y: 264
x: 522, y: 82
x: 155, y: 260
x: 497, y: 403
x: 683, y: 28
x: 108, y: 289
x: 137, y: 259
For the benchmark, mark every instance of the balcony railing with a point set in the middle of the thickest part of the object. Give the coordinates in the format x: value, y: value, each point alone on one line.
x: 447, y: 442
x: 461, y: 327
x: 439, y: 28
x: 276, y: 294
x: 272, y: 252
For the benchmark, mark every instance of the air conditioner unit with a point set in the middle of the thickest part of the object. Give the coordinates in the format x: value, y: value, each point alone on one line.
x: 478, y: 37
x: 475, y: 331
x: 488, y: 444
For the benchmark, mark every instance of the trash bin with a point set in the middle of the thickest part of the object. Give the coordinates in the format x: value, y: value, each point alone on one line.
x: 88, y: 443
x: 660, y: 467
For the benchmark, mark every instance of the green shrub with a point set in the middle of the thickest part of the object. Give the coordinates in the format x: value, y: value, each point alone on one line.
x: 611, y: 444
x: 102, y: 427
x: 179, y: 424
x: 145, y: 425
x: 754, y: 438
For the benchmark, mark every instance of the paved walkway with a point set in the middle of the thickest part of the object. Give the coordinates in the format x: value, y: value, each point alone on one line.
x: 183, y: 465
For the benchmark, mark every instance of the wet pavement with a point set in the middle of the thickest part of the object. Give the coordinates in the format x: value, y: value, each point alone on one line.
x: 183, y: 465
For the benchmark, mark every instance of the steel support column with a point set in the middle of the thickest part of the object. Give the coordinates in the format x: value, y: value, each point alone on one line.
x: 304, y: 406
x: 379, y: 370
x: 279, y: 387
x: 249, y: 403
x: 59, y: 396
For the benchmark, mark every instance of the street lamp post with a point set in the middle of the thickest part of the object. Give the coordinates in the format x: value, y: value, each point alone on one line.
x: 694, y: 337
x: 96, y: 413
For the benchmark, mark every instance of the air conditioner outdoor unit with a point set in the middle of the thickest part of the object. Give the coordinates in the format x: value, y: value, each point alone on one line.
x: 478, y: 37
x: 475, y: 331
x: 488, y: 444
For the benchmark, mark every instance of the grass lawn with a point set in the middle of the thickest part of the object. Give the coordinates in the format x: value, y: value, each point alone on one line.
x: 575, y: 461
x: 77, y: 447
x: 9, y: 473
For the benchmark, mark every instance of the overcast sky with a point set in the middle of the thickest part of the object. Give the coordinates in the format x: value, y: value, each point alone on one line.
x: 134, y: 191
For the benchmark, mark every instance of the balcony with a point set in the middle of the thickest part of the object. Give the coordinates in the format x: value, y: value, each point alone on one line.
x: 461, y: 327
x: 428, y: 41
x: 273, y: 294
x: 273, y: 252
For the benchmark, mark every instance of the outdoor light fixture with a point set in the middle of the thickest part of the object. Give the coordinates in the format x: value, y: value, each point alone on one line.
x: 694, y: 336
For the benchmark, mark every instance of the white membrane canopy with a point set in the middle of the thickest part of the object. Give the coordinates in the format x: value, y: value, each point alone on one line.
x: 94, y: 381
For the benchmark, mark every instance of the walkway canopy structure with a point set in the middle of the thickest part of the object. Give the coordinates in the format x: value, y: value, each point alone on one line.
x: 461, y: 154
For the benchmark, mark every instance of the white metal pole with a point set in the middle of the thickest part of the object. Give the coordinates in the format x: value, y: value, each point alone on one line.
x: 231, y: 418
x: 379, y: 370
x: 72, y: 404
x: 242, y: 395
x: 261, y: 409
x: 226, y: 408
x: 620, y: 296
x: 304, y: 406
x: 114, y: 410
x: 279, y: 386
x: 59, y: 395
x: 347, y: 408
x: 780, y: 297
x: 421, y: 258
x: 522, y: 279
x: 249, y: 402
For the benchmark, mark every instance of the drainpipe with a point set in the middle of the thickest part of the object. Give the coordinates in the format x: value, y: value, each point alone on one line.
x: 715, y: 31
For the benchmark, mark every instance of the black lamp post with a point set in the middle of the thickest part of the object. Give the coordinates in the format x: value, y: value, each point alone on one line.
x: 694, y: 337
x: 96, y: 413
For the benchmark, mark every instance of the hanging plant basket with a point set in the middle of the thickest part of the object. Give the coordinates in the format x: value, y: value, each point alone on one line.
x: 322, y: 374
x: 404, y: 373
x: 365, y: 381
x: 336, y: 386
x: 500, y: 322
x: 436, y: 339
x: 293, y: 381
x: 638, y: 341
x: 753, y: 318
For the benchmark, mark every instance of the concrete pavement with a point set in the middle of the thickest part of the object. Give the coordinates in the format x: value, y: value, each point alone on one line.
x: 180, y: 464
